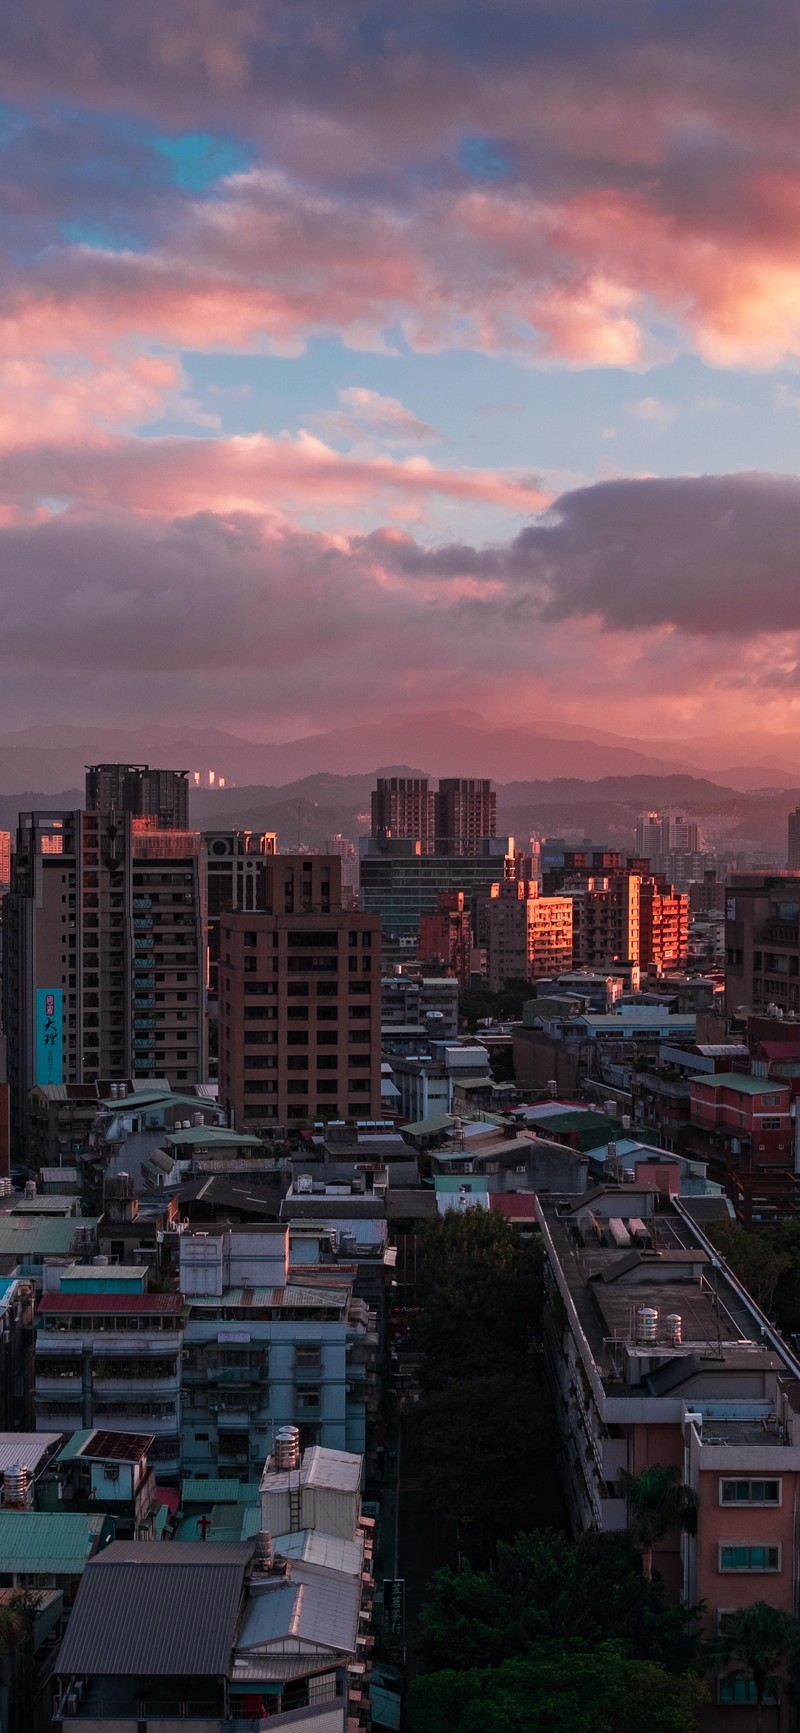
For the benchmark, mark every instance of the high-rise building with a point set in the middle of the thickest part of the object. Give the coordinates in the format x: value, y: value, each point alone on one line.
x: 348, y: 855
x: 235, y: 880
x: 400, y: 883
x: 299, y: 1002
x: 762, y: 941
x: 794, y: 840
x: 466, y: 811
x: 526, y: 936
x: 161, y: 795
x: 404, y: 809
x: 661, y: 833
x: 104, y: 970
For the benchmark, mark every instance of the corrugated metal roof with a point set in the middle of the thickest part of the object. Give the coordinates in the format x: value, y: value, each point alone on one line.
x: 27, y: 1236
x: 429, y: 1127
x: 740, y: 1083
x: 97, y: 1303
x: 327, y: 1550
x: 219, y: 1492
x: 25, y: 1449
x: 60, y: 1176
x: 339, y: 1469
x: 288, y: 1298
x: 313, y: 1606
x: 212, y: 1134
x: 48, y: 1544
x: 155, y: 1609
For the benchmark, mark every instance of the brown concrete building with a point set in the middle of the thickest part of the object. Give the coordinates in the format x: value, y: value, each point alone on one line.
x: 161, y: 795
x: 104, y: 973
x: 466, y: 811
x: 404, y: 808
x: 300, y: 1002
x: 762, y: 941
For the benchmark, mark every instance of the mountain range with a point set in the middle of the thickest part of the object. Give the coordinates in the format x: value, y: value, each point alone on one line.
x: 445, y: 742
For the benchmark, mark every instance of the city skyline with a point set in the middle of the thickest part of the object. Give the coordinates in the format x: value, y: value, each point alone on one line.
x: 358, y: 357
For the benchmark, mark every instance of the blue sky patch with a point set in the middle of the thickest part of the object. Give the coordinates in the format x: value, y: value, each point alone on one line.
x: 196, y: 159
x: 483, y: 158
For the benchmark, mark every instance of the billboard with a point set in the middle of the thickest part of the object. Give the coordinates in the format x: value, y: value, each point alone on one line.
x: 49, y: 1035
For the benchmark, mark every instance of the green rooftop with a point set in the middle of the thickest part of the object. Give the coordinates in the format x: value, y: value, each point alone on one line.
x: 212, y: 1135
x: 743, y: 1085
x: 33, y: 1237
x: 219, y: 1492
x: 42, y: 1543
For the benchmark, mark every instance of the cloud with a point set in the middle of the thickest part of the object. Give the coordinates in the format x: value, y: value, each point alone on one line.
x: 370, y: 415
x: 278, y: 475
x: 651, y: 409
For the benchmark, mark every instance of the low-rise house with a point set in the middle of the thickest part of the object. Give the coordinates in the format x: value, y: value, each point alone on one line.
x: 105, y: 1471
x: 43, y: 1551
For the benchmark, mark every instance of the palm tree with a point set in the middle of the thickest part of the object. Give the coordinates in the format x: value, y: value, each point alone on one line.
x: 762, y: 1637
x: 658, y: 1502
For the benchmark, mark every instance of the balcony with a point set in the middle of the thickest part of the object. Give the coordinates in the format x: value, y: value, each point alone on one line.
x: 140, y: 1064
x: 135, y: 1386
x: 146, y: 1041
x: 58, y: 1384
x: 142, y: 902
x: 143, y: 1002
x: 143, y: 924
x: 144, y: 1022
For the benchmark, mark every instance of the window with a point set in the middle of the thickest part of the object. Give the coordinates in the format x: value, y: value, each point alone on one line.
x: 298, y: 1088
x: 749, y: 1558
x: 310, y: 1356
x: 749, y: 1492
x: 770, y: 1122
x: 327, y: 1037
x: 327, y: 1013
x: 732, y: 1688
x: 307, y: 1399
x: 250, y: 965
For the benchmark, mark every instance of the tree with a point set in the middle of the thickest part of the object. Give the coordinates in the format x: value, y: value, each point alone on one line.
x: 475, y: 1443
x: 481, y: 1289
x: 658, y: 1503
x: 757, y: 1258
x: 560, y: 1694
x: 764, y: 1639
x: 546, y: 1590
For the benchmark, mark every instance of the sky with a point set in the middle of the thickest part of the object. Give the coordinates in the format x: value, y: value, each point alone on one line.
x: 360, y: 358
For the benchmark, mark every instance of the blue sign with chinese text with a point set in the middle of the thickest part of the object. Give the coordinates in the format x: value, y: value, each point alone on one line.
x: 49, y: 1035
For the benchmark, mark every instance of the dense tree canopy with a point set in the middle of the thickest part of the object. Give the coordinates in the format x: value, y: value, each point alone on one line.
x: 592, y: 1693
x: 545, y: 1592
x: 482, y: 1433
x: 480, y: 1292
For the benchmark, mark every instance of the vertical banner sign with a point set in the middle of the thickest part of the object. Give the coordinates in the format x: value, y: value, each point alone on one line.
x: 394, y: 1608
x: 49, y: 1035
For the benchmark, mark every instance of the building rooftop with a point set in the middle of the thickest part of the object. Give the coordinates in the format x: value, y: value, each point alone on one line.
x: 286, y: 1299
x: 95, y: 1304
x: 211, y: 1136
x: 320, y: 1467
x: 219, y: 1492
x: 154, y: 1609
x: 740, y: 1083
x: 38, y: 1236
x: 93, y: 1445
x: 317, y: 1548
x: 43, y: 1543
x: 312, y: 1607
x: 671, y: 1273
x: 26, y: 1449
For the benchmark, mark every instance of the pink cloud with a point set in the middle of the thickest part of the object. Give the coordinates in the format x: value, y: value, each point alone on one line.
x: 280, y: 475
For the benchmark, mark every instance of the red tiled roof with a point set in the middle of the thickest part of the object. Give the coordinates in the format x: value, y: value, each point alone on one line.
x: 97, y: 1303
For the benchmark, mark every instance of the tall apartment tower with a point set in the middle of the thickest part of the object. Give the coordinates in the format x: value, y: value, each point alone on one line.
x: 235, y: 880
x: 104, y: 970
x: 300, y: 1002
x: 404, y: 807
x: 794, y: 840
x: 466, y: 811
x: 160, y: 795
